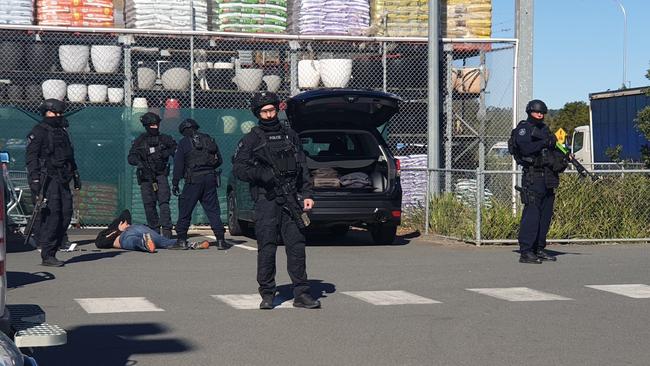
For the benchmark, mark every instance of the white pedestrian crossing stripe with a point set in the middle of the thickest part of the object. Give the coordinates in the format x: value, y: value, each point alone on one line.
x: 106, y: 305
x: 252, y: 301
x: 518, y: 294
x: 390, y: 297
x: 635, y: 291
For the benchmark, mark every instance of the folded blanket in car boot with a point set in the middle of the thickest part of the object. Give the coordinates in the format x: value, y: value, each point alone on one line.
x: 355, y: 180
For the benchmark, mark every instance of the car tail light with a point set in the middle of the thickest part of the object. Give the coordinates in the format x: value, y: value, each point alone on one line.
x: 398, y: 167
x: 396, y: 213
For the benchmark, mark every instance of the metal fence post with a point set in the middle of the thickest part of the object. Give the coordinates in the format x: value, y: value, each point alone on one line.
x: 427, y: 197
x: 479, y: 204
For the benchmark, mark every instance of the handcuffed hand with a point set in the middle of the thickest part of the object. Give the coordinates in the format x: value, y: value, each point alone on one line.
x: 176, y: 191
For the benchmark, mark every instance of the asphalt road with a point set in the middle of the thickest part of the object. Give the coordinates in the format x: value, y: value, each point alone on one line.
x: 437, y: 313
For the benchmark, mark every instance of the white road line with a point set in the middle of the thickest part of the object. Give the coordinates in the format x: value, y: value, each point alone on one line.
x: 390, y: 297
x: 105, y: 305
x: 242, y: 246
x: 518, y: 294
x: 635, y: 291
x: 252, y: 301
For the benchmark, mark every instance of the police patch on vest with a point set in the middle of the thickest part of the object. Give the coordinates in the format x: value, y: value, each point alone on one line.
x: 275, y: 137
x: 522, y: 131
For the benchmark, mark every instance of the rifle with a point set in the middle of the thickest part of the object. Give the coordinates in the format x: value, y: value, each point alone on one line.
x: 39, y: 205
x: 579, y: 167
x: 284, y: 189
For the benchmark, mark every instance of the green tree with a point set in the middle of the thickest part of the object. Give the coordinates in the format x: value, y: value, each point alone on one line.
x: 570, y: 116
x: 643, y: 125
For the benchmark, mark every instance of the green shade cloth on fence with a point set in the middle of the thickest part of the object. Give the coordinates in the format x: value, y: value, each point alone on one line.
x: 102, y: 138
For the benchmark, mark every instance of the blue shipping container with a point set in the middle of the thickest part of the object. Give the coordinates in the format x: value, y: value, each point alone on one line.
x: 613, y: 115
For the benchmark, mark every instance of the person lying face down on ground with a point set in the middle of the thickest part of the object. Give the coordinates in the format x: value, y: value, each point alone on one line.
x: 122, y: 234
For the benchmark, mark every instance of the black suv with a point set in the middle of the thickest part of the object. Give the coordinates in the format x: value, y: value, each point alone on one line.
x: 341, y: 132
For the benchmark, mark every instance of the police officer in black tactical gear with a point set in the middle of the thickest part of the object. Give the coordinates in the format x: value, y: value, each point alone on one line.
x: 150, y: 152
x: 51, y: 167
x: 197, y: 159
x: 271, y: 141
x: 533, y: 147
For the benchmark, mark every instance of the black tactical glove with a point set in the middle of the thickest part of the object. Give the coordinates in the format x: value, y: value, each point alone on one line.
x: 550, y: 140
x: 176, y: 191
x: 265, y: 175
x: 77, y: 180
x: 35, y: 186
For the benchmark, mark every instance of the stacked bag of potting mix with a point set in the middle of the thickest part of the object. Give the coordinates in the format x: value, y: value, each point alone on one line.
x: 75, y: 13
x: 249, y: 16
x: 16, y: 12
x: 330, y: 17
x: 466, y: 18
x: 409, y: 18
x: 166, y: 14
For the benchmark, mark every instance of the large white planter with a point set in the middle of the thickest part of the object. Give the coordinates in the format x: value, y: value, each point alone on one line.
x: 97, y: 93
x: 54, y: 89
x: 106, y: 59
x: 146, y: 78
x: 74, y: 58
x: 115, y: 95
x: 272, y: 82
x: 335, y: 72
x: 308, y: 74
x: 77, y: 92
x: 176, y: 78
x: 248, y: 80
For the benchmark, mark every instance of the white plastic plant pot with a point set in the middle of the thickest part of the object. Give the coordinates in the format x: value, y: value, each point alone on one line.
x: 54, y: 89
x: 97, y: 93
x: 308, y: 74
x: 74, y: 58
x: 77, y: 93
x: 272, y: 82
x: 223, y: 65
x: 229, y: 124
x: 176, y: 78
x: 105, y: 59
x: 139, y: 103
x: 247, y: 126
x: 335, y: 72
x: 248, y: 80
x: 115, y: 95
x: 146, y: 78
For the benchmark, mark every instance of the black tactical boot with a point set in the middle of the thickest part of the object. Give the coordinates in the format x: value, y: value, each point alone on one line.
x: 52, y: 262
x: 529, y: 257
x: 306, y: 301
x: 221, y: 244
x: 181, y: 244
x: 267, y: 302
x: 541, y: 254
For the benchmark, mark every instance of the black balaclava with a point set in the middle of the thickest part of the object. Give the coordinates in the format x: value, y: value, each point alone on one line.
x: 152, y: 131
x: 56, y: 121
x: 189, y: 131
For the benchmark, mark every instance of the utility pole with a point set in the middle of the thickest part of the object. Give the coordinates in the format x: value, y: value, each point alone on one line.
x: 524, y: 33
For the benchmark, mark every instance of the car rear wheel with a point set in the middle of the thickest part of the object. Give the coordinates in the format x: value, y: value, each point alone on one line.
x: 235, y: 226
x: 383, y: 233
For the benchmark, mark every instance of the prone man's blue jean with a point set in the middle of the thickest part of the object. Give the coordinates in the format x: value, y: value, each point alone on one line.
x: 133, y: 238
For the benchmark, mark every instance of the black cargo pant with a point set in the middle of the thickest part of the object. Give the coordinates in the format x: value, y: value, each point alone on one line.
x: 201, y: 189
x: 55, y: 217
x: 537, y: 214
x: 272, y: 223
x: 160, y: 197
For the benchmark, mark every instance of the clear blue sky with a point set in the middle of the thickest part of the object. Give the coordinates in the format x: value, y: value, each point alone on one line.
x: 578, y: 46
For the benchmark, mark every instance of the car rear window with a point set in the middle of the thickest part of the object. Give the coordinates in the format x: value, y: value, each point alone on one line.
x: 339, y: 144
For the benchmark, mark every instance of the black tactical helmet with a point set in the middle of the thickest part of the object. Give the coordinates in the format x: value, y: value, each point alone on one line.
x: 52, y: 105
x: 261, y: 99
x: 536, y: 105
x: 188, y: 123
x: 149, y: 119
